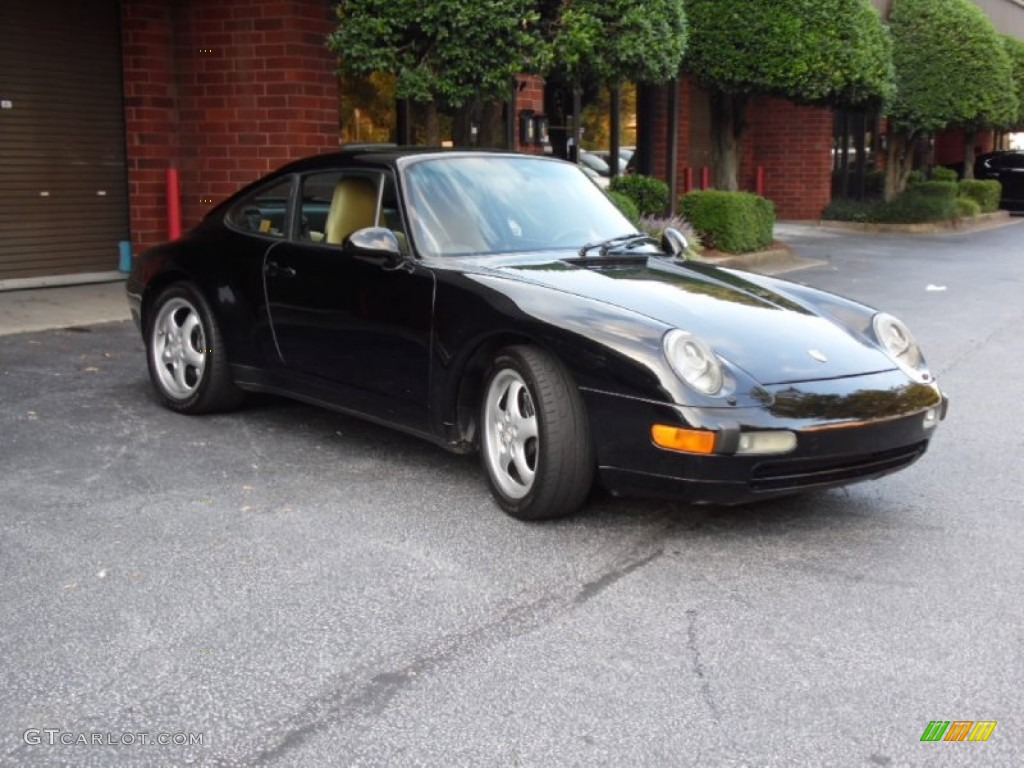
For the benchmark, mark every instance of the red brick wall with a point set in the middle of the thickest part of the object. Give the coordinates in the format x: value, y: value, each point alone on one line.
x: 224, y: 90
x: 794, y: 146
x: 949, y: 146
x: 529, y: 96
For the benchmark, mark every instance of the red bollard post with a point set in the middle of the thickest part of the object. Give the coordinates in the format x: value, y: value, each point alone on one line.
x: 173, y: 205
x: 760, y: 180
x: 705, y: 177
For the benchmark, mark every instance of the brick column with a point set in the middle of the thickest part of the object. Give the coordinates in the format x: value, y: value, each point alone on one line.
x: 529, y: 95
x: 794, y: 144
x: 225, y: 90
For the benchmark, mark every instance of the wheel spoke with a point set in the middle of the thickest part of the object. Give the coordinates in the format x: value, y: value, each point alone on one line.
x: 187, y: 330
x: 526, y: 473
x: 194, y: 357
x: 179, y: 376
x: 526, y: 427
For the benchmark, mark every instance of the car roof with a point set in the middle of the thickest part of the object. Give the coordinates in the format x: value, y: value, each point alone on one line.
x: 386, y: 154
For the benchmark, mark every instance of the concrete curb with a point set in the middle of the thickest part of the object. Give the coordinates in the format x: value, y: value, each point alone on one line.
x: 981, y: 221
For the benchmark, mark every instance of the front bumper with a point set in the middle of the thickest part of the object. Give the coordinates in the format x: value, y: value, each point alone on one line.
x: 847, y: 430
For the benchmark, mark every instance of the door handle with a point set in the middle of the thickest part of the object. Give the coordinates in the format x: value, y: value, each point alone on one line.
x: 273, y: 269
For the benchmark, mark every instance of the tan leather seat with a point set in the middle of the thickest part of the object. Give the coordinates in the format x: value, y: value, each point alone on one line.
x: 353, y: 206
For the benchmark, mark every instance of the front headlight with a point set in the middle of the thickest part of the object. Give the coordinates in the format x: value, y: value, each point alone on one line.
x: 693, y: 361
x: 899, y: 344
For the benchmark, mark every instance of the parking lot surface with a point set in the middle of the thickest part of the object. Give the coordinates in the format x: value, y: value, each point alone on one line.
x: 292, y: 587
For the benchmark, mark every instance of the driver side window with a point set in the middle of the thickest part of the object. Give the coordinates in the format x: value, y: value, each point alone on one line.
x: 264, y: 212
x: 335, y: 204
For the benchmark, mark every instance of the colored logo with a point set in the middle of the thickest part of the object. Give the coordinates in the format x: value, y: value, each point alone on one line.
x: 958, y: 730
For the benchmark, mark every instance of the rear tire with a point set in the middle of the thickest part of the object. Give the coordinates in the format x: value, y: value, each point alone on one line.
x: 185, y: 352
x: 534, y: 437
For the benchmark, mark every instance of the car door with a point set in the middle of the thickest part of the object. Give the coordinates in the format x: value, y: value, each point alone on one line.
x: 355, y: 330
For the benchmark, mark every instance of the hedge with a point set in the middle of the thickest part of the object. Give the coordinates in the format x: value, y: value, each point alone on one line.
x: 734, y: 222
x: 923, y: 202
x: 625, y: 204
x: 966, y: 207
x: 649, y: 194
x: 940, y: 173
x: 985, y: 193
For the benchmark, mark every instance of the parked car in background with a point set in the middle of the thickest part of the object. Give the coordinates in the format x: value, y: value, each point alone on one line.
x: 501, y: 303
x: 625, y: 154
x: 596, y: 164
x: 1006, y: 167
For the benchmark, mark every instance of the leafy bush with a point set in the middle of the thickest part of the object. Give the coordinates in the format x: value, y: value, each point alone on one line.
x: 649, y: 194
x: 874, y: 183
x: 915, y: 177
x: 923, y: 202
x: 943, y: 174
x: 966, y: 207
x: 927, y: 201
x: 625, y: 204
x: 843, y: 209
x: 985, y: 193
x: 734, y: 222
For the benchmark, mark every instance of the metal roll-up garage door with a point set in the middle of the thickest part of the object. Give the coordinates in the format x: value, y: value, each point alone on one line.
x: 63, y: 190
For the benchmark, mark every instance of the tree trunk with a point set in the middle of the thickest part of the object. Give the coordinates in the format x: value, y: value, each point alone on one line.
x: 728, y: 122
x: 461, y: 119
x: 970, y: 137
x: 431, y: 127
x: 899, y: 162
x: 492, y: 126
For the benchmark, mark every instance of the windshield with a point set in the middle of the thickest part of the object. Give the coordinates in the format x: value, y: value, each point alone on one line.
x: 472, y: 205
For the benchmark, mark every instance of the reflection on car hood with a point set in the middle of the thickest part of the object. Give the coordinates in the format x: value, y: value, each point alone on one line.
x: 768, y: 334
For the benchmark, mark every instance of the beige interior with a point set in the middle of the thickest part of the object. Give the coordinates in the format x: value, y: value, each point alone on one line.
x: 353, y: 206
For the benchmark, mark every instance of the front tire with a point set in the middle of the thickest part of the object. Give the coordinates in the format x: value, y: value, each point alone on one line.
x: 534, y: 437
x: 185, y: 352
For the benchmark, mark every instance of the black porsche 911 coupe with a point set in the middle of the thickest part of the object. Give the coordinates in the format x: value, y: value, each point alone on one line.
x: 500, y: 302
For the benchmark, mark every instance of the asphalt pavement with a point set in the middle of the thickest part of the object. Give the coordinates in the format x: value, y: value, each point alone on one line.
x: 291, y: 587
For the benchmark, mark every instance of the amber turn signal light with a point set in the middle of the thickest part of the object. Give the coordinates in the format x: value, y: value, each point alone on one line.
x: 679, y: 439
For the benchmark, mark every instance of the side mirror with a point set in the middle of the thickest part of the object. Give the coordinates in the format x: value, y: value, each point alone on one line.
x: 673, y: 242
x: 377, y: 244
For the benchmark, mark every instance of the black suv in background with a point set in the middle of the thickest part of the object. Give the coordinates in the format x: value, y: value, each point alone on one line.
x: 1007, y: 168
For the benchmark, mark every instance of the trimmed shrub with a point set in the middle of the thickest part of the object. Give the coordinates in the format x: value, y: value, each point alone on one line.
x: 966, y: 207
x: 944, y: 174
x: 924, y: 202
x: 734, y: 222
x: 915, y: 177
x: 927, y: 201
x: 625, y: 204
x: 985, y: 193
x: 649, y: 194
x: 843, y: 209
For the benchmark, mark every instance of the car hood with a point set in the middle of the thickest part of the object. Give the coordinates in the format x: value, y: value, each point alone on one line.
x: 772, y: 336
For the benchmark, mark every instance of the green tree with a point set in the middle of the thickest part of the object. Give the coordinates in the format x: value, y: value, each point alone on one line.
x: 820, y: 52
x: 1015, y: 50
x: 443, y: 52
x: 599, y: 44
x: 607, y: 41
x: 951, y: 71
